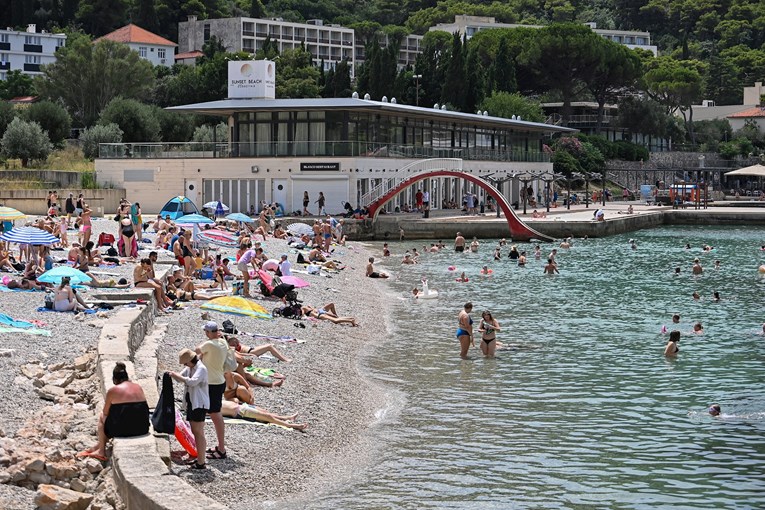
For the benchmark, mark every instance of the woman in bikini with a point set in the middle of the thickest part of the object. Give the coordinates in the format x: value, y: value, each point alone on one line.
x: 465, y: 330
x: 328, y: 312
x: 87, y: 225
x: 64, y: 299
x: 672, y: 349
x: 488, y: 328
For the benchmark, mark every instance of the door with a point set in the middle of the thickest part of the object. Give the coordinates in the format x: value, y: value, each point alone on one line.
x: 279, y: 193
x: 192, y: 192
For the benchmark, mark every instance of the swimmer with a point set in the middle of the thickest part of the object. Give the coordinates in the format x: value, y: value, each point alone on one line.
x: 386, y: 250
x: 416, y: 293
x: 485, y: 270
x: 497, y: 253
x: 716, y: 297
x: 717, y: 265
x: 698, y: 329
x: 633, y: 245
x: 696, y: 296
x: 696, y: 268
x: 474, y: 245
x: 463, y: 278
x: 715, y: 410
x: 465, y: 330
x: 537, y: 252
x: 677, y: 271
x: 687, y: 246
x: 564, y: 244
x: 503, y: 242
x: 488, y: 328
x: 551, y: 268
x: 408, y: 259
x: 434, y: 248
x: 672, y: 349
x: 522, y: 259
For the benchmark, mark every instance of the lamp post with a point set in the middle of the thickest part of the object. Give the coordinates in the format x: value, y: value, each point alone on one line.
x: 604, y: 189
x: 417, y: 78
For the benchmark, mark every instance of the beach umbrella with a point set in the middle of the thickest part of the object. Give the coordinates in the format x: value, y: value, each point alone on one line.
x: 294, y: 280
x: 29, y: 235
x: 11, y: 214
x: 240, y: 217
x: 300, y: 229
x: 193, y: 219
x: 215, y: 206
x: 237, y: 306
x: 57, y: 273
x: 753, y: 171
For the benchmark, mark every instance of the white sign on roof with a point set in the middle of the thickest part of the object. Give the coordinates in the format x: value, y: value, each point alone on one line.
x: 252, y: 79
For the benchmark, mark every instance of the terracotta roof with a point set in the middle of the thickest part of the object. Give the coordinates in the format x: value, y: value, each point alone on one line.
x: 189, y: 54
x: 757, y: 111
x: 135, y: 34
x: 24, y: 99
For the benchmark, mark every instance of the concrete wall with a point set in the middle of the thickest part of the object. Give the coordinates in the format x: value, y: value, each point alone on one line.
x: 34, y: 201
x: 54, y: 178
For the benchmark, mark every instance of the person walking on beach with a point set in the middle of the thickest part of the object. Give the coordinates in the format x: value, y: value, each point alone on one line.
x: 213, y: 353
x: 306, y: 201
x: 321, y: 201
x: 459, y: 243
x: 465, y: 330
x: 69, y: 206
x: 488, y: 328
x: 197, y: 398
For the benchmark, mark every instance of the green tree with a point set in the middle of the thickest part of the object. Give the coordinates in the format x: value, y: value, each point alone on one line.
x: 86, y: 76
x: 503, y: 69
x: 208, y: 135
x: 173, y: 126
x: 474, y: 82
x: 676, y: 85
x: 92, y: 137
x: 257, y: 10
x: 431, y: 65
x: 452, y: 92
x: 618, y: 69
x: 135, y: 119
x: 7, y: 114
x: 681, y: 17
x: 16, y: 84
x: 99, y: 17
x: 505, y: 104
x: 296, y: 76
x: 709, y: 133
x: 52, y: 118
x: 25, y: 141
x: 145, y: 15
x: 643, y: 116
x: 563, y: 57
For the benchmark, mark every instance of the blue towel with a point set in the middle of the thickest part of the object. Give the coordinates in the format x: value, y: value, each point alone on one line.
x: 88, y: 311
x: 10, y: 321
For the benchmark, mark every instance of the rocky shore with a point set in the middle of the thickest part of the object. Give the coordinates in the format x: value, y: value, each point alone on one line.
x: 265, y: 464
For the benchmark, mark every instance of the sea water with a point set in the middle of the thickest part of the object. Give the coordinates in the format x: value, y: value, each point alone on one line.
x: 580, y: 409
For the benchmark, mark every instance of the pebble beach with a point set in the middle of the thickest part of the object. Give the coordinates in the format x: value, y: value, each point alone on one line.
x: 324, y: 383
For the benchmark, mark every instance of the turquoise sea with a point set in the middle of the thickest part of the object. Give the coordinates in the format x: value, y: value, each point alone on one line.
x: 580, y: 409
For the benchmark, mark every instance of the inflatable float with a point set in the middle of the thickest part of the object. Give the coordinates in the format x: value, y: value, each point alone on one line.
x: 426, y: 292
x: 184, y: 436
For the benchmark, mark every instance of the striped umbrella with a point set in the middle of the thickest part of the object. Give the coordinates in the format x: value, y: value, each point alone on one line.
x: 11, y: 214
x: 29, y: 235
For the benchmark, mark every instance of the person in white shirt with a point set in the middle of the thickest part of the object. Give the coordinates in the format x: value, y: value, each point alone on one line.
x: 197, y: 398
x: 426, y: 200
x: 285, y: 268
x: 213, y: 352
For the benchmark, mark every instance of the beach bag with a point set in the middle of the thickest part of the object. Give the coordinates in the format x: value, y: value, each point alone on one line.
x: 163, y: 417
x: 49, y: 301
x: 313, y: 269
x: 282, y: 290
x: 230, y: 364
x: 301, y: 259
x: 237, y: 288
x: 229, y: 328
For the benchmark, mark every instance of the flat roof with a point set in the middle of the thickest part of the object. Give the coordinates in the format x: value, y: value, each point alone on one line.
x: 231, y: 106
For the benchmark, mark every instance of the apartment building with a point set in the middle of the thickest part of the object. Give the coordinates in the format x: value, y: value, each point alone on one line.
x: 470, y: 25
x: 27, y: 51
x: 330, y: 43
x: 409, y: 48
x: 149, y: 46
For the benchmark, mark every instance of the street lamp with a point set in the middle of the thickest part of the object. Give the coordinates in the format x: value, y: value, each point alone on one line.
x: 604, y: 188
x: 417, y: 78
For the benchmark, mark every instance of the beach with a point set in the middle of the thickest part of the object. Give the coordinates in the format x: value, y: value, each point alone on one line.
x: 324, y: 382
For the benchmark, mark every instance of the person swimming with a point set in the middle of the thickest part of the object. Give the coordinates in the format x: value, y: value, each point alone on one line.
x: 715, y: 410
x: 672, y: 349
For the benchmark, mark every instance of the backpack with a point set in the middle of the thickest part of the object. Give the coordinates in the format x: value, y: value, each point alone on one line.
x: 229, y: 328
x: 291, y: 311
x: 105, y: 239
x: 301, y: 259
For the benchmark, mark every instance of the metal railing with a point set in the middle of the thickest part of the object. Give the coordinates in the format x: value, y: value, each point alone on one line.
x: 427, y: 165
x: 161, y: 150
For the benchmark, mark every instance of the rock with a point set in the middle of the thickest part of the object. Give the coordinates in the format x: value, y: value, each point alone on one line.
x: 60, y: 378
x: 81, y: 362
x: 35, y: 465
x: 40, y: 478
x: 61, y: 470
x: 51, y: 497
x: 17, y: 473
x: 53, y: 455
x: 32, y: 371
x: 77, y: 485
x: 93, y: 466
x: 51, y: 393
x: 4, y: 476
x: 56, y: 367
x: 7, y: 353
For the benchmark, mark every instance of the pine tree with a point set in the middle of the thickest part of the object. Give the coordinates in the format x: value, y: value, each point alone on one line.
x: 455, y: 70
x: 474, y: 85
x: 145, y: 16
x: 257, y: 10
x: 503, y: 70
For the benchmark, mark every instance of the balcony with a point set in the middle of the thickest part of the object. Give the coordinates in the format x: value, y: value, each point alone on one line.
x: 5, y: 46
x: 5, y: 66
x: 309, y: 149
x: 33, y: 48
x: 32, y: 68
x: 248, y: 33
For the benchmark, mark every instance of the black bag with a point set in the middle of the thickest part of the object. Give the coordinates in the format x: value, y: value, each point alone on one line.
x: 163, y: 417
x: 112, y: 251
x: 229, y: 328
x: 117, y: 217
x: 282, y: 290
x: 301, y: 259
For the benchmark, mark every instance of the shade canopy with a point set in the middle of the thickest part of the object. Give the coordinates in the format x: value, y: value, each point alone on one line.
x: 214, y: 206
x: 11, y: 214
x: 240, y: 217
x: 300, y: 229
x: 29, y: 235
x: 57, y: 273
x: 752, y: 171
x: 193, y: 219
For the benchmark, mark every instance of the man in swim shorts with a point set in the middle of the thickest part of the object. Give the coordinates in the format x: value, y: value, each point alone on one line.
x: 371, y: 273
x: 459, y: 243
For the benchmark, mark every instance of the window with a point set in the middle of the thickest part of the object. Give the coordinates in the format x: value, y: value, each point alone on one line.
x: 4, y: 38
x: 32, y: 59
x: 206, y: 32
x: 32, y: 39
x: 161, y: 52
x: 142, y: 51
x: 3, y: 57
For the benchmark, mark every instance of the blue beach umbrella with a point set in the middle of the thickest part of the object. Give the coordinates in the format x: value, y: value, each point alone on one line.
x: 29, y: 235
x: 57, y: 273
x: 240, y: 217
x: 193, y: 219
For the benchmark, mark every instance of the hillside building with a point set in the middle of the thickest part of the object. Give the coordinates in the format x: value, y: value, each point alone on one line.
x: 157, y: 50
x: 27, y: 51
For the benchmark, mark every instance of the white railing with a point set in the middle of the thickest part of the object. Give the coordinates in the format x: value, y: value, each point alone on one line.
x: 418, y: 167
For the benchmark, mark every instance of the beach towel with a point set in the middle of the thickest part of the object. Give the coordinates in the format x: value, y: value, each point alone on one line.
x: 281, y: 339
x: 7, y: 320
x: 242, y: 421
x: 88, y: 311
x: 3, y: 288
x: 28, y: 331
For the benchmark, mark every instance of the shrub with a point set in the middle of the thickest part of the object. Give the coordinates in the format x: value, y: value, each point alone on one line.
x: 25, y: 141
x: 629, y: 151
x: 136, y: 120
x: 204, y: 134
x: 53, y: 118
x: 174, y: 127
x: 605, y: 147
x: 92, y: 137
x: 7, y: 114
x: 728, y: 150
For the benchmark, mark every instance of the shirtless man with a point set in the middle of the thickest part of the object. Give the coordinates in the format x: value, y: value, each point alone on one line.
x: 371, y: 273
x: 326, y: 231
x: 459, y: 243
x: 551, y: 268
x: 697, y: 269
x: 408, y: 259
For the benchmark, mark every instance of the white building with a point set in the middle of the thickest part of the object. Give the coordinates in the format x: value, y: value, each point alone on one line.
x: 470, y: 25
x: 330, y: 43
x: 27, y: 51
x: 157, y: 50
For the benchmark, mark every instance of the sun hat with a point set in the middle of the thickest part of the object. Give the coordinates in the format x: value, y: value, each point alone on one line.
x: 185, y: 356
x: 211, y: 326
